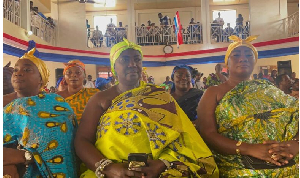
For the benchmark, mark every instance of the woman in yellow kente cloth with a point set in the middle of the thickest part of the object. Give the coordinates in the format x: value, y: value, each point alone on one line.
x: 135, y: 117
x: 76, y: 95
x: 251, y: 125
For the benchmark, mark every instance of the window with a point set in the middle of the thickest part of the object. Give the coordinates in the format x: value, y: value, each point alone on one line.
x: 103, y: 21
x: 229, y: 16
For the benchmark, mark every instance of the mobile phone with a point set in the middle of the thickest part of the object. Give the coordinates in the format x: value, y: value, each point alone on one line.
x: 137, y: 160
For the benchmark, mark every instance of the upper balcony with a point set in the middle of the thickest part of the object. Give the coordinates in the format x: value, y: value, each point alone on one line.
x: 38, y: 24
x: 206, y: 32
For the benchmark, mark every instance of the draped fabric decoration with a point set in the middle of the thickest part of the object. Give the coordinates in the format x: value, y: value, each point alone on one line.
x: 268, y: 49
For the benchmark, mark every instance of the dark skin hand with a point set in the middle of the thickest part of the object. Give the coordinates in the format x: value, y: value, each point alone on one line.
x: 11, y: 170
x: 153, y: 170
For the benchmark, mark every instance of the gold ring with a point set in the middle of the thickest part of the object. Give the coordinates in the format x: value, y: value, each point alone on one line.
x: 273, y: 156
x: 268, y: 162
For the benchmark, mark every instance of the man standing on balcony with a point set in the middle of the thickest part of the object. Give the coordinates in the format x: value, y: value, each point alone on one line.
x: 164, y: 20
x: 220, y: 20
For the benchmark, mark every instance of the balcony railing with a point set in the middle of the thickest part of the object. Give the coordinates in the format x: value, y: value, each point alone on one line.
x: 12, y: 11
x: 42, y: 28
x: 161, y: 35
x: 113, y: 35
x: 218, y: 34
x: 292, y: 24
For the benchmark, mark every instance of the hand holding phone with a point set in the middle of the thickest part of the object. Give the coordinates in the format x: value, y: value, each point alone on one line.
x: 137, y: 160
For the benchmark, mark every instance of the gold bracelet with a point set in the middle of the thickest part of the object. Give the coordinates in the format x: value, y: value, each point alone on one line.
x: 238, y: 152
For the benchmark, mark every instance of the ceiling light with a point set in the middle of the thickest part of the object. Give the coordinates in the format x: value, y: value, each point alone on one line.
x: 28, y: 33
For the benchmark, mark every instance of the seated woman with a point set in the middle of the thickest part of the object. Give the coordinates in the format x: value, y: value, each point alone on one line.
x: 186, y: 97
x: 250, y: 124
x: 38, y: 128
x: 135, y: 117
x: 76, y: 95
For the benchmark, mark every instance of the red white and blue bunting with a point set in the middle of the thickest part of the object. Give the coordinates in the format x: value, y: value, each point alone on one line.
x: 275, y: 48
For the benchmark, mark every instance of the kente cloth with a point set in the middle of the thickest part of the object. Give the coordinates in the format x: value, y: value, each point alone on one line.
x: 118, y: 48
x: 189, y: 102
x: 43, y: 70
x: 237, y: 42
x: 79, y: 100
x: 213, y: 80
x: 148, y: 120
x: 252, y: 112
x: 45, y: 125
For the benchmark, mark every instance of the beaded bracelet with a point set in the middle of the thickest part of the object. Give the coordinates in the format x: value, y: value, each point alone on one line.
x: 100, y: 167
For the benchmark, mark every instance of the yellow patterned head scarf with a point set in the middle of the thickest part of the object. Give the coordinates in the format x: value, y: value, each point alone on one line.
x: 74, y: 63
x: 39, y: 64
x: 118, y: 48
x: 237, y: 42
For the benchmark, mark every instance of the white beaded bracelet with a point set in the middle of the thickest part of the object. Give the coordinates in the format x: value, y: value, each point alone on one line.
x: 100, y: 167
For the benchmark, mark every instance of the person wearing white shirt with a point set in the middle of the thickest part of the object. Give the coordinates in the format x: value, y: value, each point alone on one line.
x: 89, y: 83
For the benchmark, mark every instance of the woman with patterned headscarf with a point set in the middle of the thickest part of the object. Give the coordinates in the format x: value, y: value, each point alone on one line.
x: 38, y: 128
x: 76, y: 95
x: 251, y: 125
x: 136, y: 117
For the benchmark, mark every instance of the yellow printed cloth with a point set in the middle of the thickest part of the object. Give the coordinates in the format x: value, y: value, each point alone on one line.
x: 79, y: 100
x: 44, y: 125
x: 148, y: 120
x: 252, y: 112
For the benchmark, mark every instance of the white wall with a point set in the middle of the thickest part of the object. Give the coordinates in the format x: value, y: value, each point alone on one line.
x: 266, y: 18
x: 185, y: 14
x: 292, y: 8
x: 71, y: 25
x: 89, y: 68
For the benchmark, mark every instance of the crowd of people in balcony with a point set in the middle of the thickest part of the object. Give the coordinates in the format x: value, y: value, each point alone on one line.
x: 133, y: 128
x: 164, y: 33
x: 112, y: 35
x: 41, y: 25
x: 221, y: 35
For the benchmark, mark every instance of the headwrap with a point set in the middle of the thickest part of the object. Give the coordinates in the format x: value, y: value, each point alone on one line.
x: 118, y: 48
x: 181, y: 67
x: 74, y: 63
x: 101, y: 82
x: 44, y: 72
x: 237, y: 42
